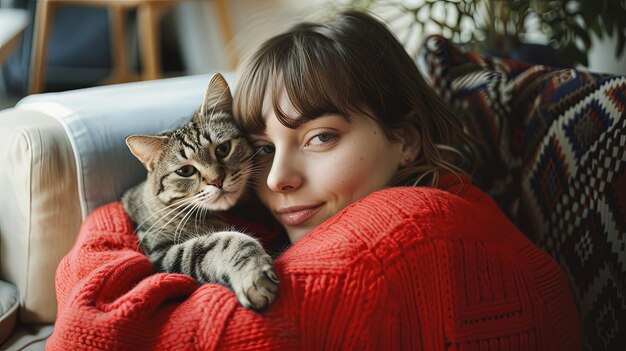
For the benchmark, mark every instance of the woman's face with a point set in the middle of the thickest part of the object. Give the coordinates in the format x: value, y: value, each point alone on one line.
x: 310, y: 173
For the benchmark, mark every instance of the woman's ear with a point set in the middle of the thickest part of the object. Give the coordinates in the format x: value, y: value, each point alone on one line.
x: 411, y: 140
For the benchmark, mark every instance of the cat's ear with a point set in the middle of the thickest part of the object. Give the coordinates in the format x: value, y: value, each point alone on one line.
x: 147, y: 148
x: 217, y: 96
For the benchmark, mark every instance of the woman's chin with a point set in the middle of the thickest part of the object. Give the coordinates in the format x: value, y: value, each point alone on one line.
x: 296, y: 234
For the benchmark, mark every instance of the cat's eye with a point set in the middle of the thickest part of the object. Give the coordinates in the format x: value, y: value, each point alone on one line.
x: 186, y: 171
x: 223, y: 149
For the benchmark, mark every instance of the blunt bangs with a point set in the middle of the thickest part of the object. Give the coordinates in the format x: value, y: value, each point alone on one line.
x: 314, y: 72
x: 353, y: 65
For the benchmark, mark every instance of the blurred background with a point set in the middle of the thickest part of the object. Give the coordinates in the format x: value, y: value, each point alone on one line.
x: 56, y: 45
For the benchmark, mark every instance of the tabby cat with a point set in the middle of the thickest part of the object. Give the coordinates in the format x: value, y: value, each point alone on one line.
x: 194, y: 173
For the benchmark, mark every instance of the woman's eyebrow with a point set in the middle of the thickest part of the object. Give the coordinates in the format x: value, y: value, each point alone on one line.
x: 263, y: 133
x: 319, y: 115
x: 257, y: 135
x: 311, y: 118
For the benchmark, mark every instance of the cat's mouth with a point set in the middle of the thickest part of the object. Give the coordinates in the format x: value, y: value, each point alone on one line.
x: 218, y: 199
x: 212, y: 194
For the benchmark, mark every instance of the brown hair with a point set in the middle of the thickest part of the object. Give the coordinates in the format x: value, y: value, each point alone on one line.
x: 353, y: 65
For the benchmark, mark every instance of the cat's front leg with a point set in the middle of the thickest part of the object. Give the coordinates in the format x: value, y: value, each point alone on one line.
x: 229, y: 258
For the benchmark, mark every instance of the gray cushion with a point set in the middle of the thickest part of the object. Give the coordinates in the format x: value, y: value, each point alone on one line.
x: 9, y: 301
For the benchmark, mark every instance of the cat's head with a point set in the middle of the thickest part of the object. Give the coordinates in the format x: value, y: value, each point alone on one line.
x: 206, y: 163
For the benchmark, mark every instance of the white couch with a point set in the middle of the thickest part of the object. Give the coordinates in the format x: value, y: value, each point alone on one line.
x: 60, y: 158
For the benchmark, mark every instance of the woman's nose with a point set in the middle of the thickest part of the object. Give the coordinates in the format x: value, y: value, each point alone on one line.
x: 284, y: 175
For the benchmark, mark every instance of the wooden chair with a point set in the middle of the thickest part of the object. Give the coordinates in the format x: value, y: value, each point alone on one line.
x: 149, y: 14
x: 13, y: 22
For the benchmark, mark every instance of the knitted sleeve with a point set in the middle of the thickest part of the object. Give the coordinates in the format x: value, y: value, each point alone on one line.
x: 110, y: 298
x: 403, y: 268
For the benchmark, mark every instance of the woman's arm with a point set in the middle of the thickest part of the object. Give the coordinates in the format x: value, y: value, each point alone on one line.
x: 404, y: 268
x: 110, y: 297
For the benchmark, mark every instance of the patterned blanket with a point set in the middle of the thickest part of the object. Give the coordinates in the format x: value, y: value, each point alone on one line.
x: 554, y: 149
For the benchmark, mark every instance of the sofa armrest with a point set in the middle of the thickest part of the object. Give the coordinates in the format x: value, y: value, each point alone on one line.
x: 64, y: 155
x: 39, y: 211
x: 97, y: 120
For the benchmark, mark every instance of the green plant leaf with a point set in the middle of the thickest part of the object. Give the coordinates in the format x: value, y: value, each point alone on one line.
x: 621, y: 40
x: 583, y: 35
x: 597, y: 29
x: 567, y: 24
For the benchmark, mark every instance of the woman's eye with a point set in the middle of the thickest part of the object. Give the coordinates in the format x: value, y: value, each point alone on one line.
x: 267, y: 149
x: 263, y: 151
x: 321, y: 139
x: 223, y: 149
x: 186, y: 171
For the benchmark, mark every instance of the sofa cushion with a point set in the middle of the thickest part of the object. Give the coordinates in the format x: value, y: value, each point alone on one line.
x: 9, y: 302
x: 553, y: 143
x: 39, y: 211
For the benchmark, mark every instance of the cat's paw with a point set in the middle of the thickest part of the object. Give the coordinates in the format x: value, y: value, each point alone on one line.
x: 259, y: 286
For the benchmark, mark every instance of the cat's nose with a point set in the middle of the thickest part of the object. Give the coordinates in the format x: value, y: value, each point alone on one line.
x: 217, y: 182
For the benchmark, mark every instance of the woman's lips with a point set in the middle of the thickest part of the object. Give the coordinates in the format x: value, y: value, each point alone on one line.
x: 293, y: 216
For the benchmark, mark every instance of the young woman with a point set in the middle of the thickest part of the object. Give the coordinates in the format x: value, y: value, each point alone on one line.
x: 392, y: 248
x: 337, y: 111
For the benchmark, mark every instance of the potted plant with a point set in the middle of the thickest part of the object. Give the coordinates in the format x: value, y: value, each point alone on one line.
x: 509, y: 27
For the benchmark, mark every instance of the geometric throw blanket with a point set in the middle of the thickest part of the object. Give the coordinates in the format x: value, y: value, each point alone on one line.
x: 553, y: 144
x: 401, y: 269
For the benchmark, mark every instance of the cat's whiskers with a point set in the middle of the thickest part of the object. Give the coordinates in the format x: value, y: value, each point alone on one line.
x: 183, y: 222
x: 254, y: 183
x: 144, y: 204
x: 197, y: 218
x: 251, y: 170
x: 200, y: 214
x: 196, y: 210
x: 205, y: 212
x: 183, y: 203
x: 175, y: 234
x: 157, y: 212
x: 251, y: 164
x: 189, y: 202
x: 251, y: 174
x: 251, y: 157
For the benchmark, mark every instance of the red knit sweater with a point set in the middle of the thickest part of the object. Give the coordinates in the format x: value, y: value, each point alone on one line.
x: 404, y: 268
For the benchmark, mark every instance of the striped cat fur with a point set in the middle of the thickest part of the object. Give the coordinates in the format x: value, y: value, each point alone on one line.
x: 194, y: 173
